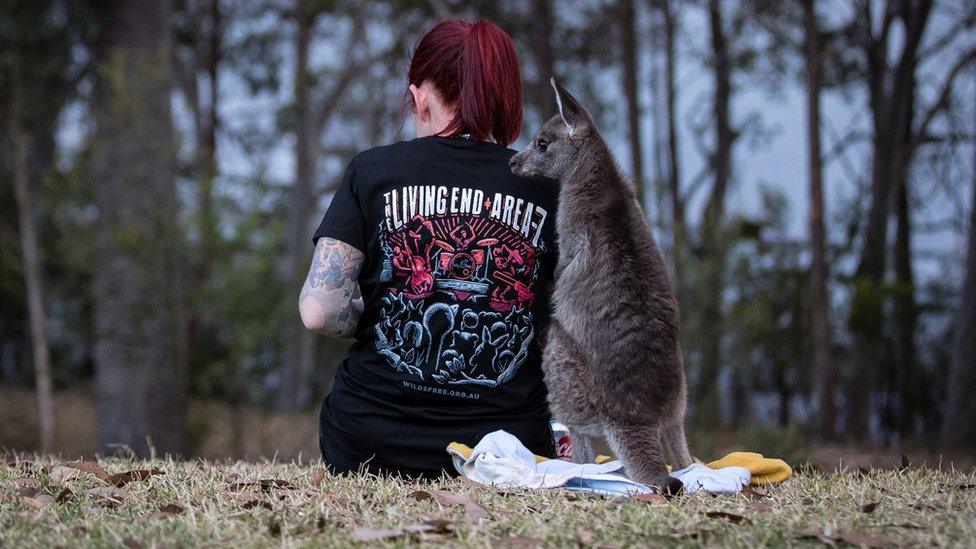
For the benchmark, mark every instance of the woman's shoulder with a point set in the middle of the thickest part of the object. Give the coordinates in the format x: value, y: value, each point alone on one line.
x: 381, y: 153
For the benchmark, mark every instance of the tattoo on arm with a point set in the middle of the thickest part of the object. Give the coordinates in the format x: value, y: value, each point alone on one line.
x: 330, y: 301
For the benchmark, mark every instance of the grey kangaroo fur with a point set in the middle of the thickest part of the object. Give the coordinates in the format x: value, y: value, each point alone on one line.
x: 611, y: 361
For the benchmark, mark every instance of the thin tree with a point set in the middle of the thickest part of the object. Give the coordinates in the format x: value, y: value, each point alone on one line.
x: 138, y: 314
x: 314, y: 108
x: 543, y: 21
x: 712, y: 266
x: 296, y: 390
x: 35, y: 293
x: 671, y: 23
x: 959, y: 427
x: 898, y: 128
x: 628, y: 53
x: 819, y: 270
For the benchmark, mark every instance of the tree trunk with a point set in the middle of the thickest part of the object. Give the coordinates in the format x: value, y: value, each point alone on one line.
x: 207, y: 153
x: 713, y: 249
x: 626, y: 21
x: 138, y: 316
x: 906, y: 394
x: 35, y: 295
x: 542, y: 52
x: 658, y: 117
x: 674, y: 164
x: 199, y: 328
x: 295, y: 392
x: 891, y: 95
x: 959, y: 427
x: 823, y: 365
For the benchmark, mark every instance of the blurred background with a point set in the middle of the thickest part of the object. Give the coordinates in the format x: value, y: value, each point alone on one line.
x: 808, y: 167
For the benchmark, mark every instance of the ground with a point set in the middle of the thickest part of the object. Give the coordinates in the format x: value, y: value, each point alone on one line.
x: 116, y: 502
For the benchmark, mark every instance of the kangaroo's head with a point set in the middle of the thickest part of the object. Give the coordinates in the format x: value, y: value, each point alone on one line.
x: 556, y: 147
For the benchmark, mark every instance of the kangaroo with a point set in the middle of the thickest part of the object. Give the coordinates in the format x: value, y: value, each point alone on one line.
x: 611, y: 361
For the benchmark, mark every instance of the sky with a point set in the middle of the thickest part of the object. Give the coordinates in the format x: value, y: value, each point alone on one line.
x: 778, y: 160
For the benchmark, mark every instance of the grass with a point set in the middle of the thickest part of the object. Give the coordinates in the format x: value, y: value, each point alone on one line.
x: 202, y: 503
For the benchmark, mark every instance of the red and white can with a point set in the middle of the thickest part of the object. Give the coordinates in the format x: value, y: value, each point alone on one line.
x: 562, y: 441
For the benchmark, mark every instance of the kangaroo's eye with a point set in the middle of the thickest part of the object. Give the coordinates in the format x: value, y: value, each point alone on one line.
x: 542, y: 144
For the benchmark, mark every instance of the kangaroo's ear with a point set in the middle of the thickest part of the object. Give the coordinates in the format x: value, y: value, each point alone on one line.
x: 570, y: 110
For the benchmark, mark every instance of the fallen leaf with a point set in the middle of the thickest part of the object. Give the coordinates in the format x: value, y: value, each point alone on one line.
x: 64, y: 495
x: 906, y: 525
x: 863, y: 471
x: 121, y: 479
x: 960, y: 487
x: 28, y: 487
x: 90, y: 467
x: 585, y: 537
x: 472, y: 511
x: 265, y: 484
x: 172, y: 508
x: 759, y: 507
x: 109, y: 495
x: 752, y: 493
x: 439, y: 525
x: 863, y: 540
x: 132, y: 544
x: 654, y: 499
x: 905, y: 463
x: 731, y: 517
x: 317, y: 477
x: 243, y: 497
x: 818, y: 535
x: 517, y: 542
x: 690, y: 532
x: 870, y: 507
x: 445, y: 497
x: 38, y: 501
x: 251, y: 504
x: 62, y: 474
x: 420, y: 495
x: 474, y: 483
x: 154, y: 516
x: 364, y: 535
x: 807, y: 501
x: 860, y: 540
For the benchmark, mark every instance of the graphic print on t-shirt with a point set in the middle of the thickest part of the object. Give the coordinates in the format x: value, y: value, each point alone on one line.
x: 461, y: 268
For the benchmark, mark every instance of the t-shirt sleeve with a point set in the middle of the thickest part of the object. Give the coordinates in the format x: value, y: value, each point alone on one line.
x: 344, y: 219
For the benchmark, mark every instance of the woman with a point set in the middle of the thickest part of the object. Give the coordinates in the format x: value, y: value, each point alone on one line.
x: 453, y: 256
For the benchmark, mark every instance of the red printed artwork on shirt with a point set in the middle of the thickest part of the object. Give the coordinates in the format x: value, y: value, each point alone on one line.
x: 461, y: 270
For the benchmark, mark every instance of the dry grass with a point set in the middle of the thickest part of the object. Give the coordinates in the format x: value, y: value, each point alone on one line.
x: 201, y: 503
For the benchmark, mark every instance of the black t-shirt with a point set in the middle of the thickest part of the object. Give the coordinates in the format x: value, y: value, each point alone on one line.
x: 459, y: 258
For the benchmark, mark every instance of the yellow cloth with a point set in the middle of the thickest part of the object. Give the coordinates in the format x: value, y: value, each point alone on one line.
x: 764, y: 470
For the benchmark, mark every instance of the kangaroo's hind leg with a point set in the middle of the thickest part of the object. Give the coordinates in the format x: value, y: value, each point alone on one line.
x: 638, y: 446
x: 674, y: 435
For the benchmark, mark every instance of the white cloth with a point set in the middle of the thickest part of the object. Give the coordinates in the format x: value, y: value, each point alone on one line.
x: 727, y: 480
x: 500, y: 459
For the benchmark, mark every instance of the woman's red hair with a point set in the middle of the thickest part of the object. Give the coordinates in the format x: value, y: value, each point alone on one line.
x: 475, y: 69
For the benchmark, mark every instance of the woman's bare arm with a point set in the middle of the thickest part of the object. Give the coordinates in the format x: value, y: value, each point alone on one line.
x: 330, y: 302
